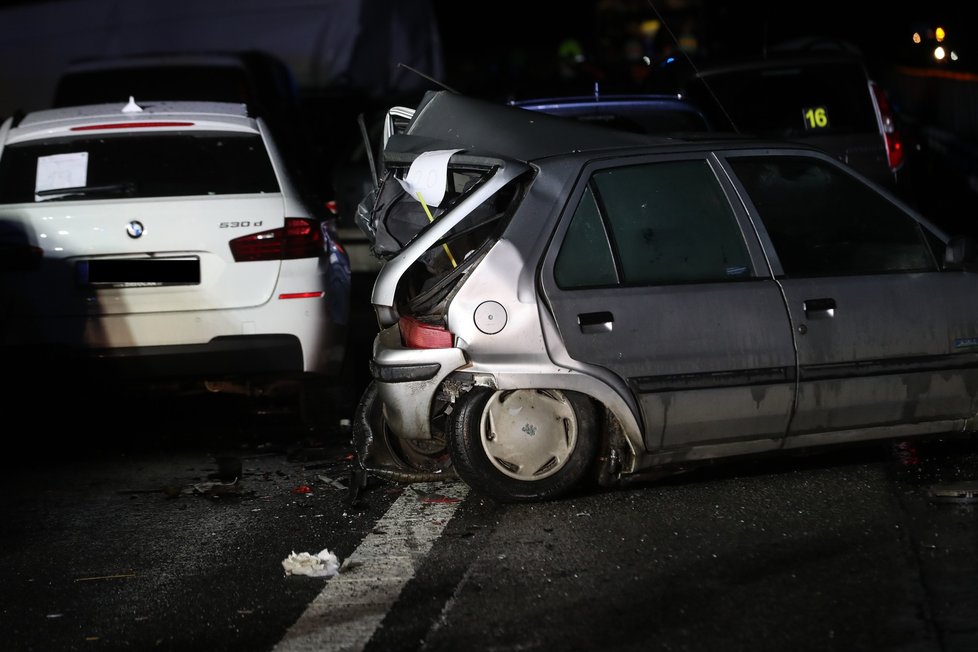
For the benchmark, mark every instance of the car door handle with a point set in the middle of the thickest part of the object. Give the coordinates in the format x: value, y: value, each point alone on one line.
x: 596, y: 322
x: 819, y: 308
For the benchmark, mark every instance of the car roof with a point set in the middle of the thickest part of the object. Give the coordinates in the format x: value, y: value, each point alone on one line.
x: 204, y: 114
x: 447, y: 120
x: 458, y: 121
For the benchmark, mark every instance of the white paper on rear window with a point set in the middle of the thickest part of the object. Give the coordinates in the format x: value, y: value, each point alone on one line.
x: 428, y: 176
x: 60, y: 171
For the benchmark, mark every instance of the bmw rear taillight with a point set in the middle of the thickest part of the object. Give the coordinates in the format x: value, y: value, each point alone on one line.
x: 299, y: 238
x: 894, y: 143
x: 419, y: 335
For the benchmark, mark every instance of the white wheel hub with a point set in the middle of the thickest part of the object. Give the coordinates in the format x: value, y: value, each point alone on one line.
x: 528, y: 434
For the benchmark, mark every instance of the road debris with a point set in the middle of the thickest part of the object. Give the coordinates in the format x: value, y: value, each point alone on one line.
x: 323, y: 564
x: 117, y: 576
x: 961, y: 492
x: 336, y: 484
x: 219, y: 489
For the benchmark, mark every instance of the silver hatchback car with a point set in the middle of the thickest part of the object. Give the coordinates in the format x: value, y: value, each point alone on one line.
x: 564, y: 305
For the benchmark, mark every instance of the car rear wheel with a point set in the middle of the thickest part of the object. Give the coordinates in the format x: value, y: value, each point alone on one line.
x: 522, y: 445
x: 383, y: 452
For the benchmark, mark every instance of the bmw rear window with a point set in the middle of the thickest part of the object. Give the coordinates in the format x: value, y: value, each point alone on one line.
x: 136, y: 165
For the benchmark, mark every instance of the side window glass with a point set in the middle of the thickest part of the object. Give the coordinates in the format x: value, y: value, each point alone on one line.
x: 824, y: 222
x: 671, y: 223
x: 584, y: 259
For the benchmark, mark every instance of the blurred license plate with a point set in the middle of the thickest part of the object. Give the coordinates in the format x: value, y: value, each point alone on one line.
x: 139, y: 272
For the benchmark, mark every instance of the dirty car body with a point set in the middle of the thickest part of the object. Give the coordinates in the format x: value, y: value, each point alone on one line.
x: 581, y: 305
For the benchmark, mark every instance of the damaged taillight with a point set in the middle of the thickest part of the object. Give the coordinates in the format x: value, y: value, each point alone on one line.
x: 419, y: 335
x: 299, y: 238
x: 891, y: 136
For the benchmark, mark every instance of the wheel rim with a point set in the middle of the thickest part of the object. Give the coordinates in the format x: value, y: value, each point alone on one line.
x: 422, y: 455
x: 528, y: 434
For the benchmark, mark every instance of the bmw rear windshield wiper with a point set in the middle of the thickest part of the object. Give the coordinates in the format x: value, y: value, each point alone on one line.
x: 125, y: 188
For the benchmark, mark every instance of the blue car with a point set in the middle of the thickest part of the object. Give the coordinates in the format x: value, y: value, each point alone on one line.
x: 643, y: 114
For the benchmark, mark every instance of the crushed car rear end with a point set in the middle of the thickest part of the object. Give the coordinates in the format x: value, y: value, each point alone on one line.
x: 463, y: 335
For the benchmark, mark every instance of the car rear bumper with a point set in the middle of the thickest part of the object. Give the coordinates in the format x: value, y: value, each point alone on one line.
x: 407, y: 380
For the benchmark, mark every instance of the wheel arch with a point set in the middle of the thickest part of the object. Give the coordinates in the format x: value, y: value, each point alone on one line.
x: 621, y: 431
x: 617, y: 414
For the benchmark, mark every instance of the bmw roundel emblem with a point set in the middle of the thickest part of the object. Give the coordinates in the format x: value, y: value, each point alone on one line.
x: 134, y: 229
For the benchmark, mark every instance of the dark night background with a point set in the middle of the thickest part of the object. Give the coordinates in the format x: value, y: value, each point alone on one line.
x: 502, y: 49
x: 518, y: 50
x: 508, y: 48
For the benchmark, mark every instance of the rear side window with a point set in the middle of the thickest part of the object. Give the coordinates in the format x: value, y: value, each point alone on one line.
x: 136, y: 165
x: 825, y: 222
x: 652, y: 224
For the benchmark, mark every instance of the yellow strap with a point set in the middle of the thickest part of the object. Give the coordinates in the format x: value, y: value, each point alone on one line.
x: 432, y: 219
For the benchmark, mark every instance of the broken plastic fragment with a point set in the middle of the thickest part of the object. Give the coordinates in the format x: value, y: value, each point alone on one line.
x: 324, y: 564
x: 336, y: 484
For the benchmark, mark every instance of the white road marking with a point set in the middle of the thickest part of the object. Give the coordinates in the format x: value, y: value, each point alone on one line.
x: 352, y: 604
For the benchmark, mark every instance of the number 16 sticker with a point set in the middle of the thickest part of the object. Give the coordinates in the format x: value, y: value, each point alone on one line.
x: 816, y: 117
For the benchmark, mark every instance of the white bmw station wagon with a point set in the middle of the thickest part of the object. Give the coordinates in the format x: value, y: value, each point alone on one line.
x: 163, y: 240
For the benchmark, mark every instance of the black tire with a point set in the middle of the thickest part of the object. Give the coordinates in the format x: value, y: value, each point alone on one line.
x: 524, y: 445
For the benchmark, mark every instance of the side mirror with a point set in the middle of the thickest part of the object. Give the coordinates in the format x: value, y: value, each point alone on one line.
x: 960, y: 253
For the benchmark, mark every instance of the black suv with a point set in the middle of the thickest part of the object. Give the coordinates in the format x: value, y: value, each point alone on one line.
x: 827, y: 100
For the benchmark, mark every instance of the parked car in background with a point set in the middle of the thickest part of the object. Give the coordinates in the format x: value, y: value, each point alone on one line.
x: 254, y: 78
x: 164, y: 242
x: 261, y: 81
x: 823, y: 99
x: 562, y: 305
x: 643, y: 114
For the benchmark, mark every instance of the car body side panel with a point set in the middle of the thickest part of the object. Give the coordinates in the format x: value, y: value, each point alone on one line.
x: 526, y: 351
x: 881, y: 356
x: 961, y: 311
x: 707, y: 363
x: 874, y: 345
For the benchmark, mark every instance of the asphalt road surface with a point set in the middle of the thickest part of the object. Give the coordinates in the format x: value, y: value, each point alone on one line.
x: 172, y: 534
